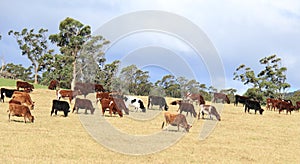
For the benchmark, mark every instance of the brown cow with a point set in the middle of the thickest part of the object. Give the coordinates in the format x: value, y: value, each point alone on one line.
x: 67, y: 93
x: 24, y: 98
x: 111, y: 105
x: 283, y: 105
x: 13, y: 101
x: 53, y: 84
x: 195, y: 97
x: 220, y: 96
x: 83, y: 104
x: 25, y: 85
x: 101, y: 95
x: 20, y: 111
x: 176, y: 120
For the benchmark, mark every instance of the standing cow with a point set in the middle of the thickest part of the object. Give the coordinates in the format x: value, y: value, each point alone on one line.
x: 157, y: 100
x: 53, y: 84
x: 176, y: 120
x: 20, y: 111
x: 135, y: 102
x: 83, y: 104
x: 209, y: 110
x: 60, y: 106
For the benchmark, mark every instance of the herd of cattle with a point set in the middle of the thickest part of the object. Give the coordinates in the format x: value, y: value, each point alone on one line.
x: 21, y: 103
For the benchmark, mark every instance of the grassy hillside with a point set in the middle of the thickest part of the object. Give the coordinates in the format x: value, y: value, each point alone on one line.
x: 12, y: 84
x: 239, y: 138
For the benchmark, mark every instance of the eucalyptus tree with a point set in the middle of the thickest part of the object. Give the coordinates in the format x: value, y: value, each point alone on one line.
x: 35, y: 46
x: 71, y: 38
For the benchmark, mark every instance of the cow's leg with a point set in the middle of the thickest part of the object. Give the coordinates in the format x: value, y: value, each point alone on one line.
x: 9, y: 117
x: 52, y: 111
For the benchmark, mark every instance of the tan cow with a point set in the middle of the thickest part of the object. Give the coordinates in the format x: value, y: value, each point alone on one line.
x: 20, y: 111
x: 24, y: 98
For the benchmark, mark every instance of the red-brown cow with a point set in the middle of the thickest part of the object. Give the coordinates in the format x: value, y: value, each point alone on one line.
x: 283, y: 105
x: 101, y: 95
x: 24, y: 98
x: 111, y: 105
x: 25, y: 85
x: 67, y: 93
x: 20, y: 111
x: 220, y: 96
x: 176, y: 119
x: 53, y: 84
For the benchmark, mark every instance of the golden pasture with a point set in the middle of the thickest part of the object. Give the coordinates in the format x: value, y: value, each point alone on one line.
x: 238, y: 138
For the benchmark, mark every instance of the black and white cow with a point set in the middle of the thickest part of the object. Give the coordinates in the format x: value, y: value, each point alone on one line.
x: 135, y: 102
x: 252, y: 104
x: 7, y: 93
x: 209, y: 110
x: 60, y: 106
x: 157, y: 100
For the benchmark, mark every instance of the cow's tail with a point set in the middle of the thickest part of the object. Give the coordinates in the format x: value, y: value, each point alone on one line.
x: 163, y: 124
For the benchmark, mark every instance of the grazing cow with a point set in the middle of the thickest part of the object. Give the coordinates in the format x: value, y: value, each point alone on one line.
x: 240, y: 99
x: 184, y: 106
x: 209, y: 110
x: 20, y: 111
x: 60, y: 106
x: 25, y: 85
x: 83, y: 104
x: 221, y: 96
x: 285, y: 105
x: 53, y: 84
x: 135, y: 102
x: 195, y: 97
x: 157, y: 100
x: 252, y: 104
x: 111, y: 105
x: 121, y: 105
x: 13, y: 101
x: 67, y: 93
x: 7, y: 93
x: 176, y: 120
x: 297, y: 107
x: 99, y: 88
x: 24, y: 98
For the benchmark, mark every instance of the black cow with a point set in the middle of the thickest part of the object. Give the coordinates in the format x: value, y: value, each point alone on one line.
x: 60, y: 106
x: 252, y: 104
x: 157, y: 100
x: 240, y: 99
x: 7, y: 92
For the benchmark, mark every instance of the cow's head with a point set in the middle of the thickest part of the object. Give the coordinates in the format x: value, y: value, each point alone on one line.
x: 261, y: 111
x: 92, y: 110
x: 166, y: 107
x: 188, y: 127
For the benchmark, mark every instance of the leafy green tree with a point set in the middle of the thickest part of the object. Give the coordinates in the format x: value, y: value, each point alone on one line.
x: 271, y: 81
x: 107, y: 75
x: 71, y: 38
x: 35, y: 46
x: 18, y: 71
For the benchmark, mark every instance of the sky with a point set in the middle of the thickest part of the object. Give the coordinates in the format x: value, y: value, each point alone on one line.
x: 242, y: 32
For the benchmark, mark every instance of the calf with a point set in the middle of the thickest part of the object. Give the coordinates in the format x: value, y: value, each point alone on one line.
x: 83, y: 104
x: 20, y: 111
x: 176, y: 120
x: 209, y: 110
x: 252, y: 104
x: 7, y: 93
x: 137, y: 103
x: 157, y: 100
x: 111, y: 105
x: 60, y: 106
x: 67, y: 93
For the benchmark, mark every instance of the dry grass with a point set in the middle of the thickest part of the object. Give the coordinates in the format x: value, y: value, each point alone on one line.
x: 238, y: 138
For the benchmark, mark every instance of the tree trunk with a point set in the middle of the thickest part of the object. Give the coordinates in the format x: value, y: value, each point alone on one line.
x: 74, y: 69
x: 35, y: 75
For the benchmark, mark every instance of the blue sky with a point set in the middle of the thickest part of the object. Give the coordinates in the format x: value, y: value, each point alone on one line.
x: 241, y: 31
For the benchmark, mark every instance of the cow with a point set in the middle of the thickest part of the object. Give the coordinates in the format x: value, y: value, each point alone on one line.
x: 135, y: 102
x: 24, y: 98
x: 101, y: 95
x: 20, y: 111
x: 53, y: 84
x: 157, y: 100
x: 60, y: 106
x: 86, y: 88
x: 13, y: 101
x: 209, y: 110
x: 83, y: 104
x: 185, y: 106
x: 272, y: 103
x: 67, y: 93
x: 7, y: 93
x: 285, y: 105
x: 253, y: 104
x: 99, y: 88
x: 297, y: 107
x: 240, y: 99
x: 176, y: 119
x: 25, y: 85
x: 111, y: 105
x: 120, y: 104
x: 195, y: 97
x: 221, y: 96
